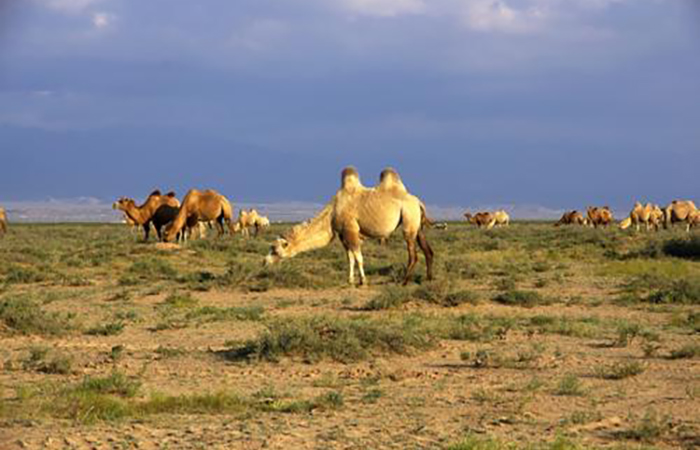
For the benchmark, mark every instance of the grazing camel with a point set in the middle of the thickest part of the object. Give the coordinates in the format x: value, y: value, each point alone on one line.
x: 201, y: 206
x: 261, y: 224
x: 599, y: 216
x: 481, y: 219
x: 679, y: 211
x: 358, y: 212
x: 247, y: 219
x: 502, y: 219
x: 649, y: 215
x: 142, y: 215
x: 571, y: 218
x: 3, y: 222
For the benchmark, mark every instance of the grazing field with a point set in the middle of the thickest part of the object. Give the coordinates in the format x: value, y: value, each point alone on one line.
x: 531, y: 336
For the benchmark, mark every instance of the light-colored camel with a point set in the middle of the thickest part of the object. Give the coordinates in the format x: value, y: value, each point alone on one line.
x: 247, y: 219
x: 693, y: 219
x: 502, y: 219
x: 261, y: 224
x: 571, y: 218
x: 358, y: 212
x: 143, y: 215
x: 679, y: 211
x: 201, y: 206
x: 3, y: 222
x: 599, y: 216
x: 481, y: 219
x: 650, y: 215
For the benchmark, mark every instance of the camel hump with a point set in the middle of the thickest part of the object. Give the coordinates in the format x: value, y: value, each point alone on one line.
x: 390, y: 179
x: 156, y: 192
x: 350, y: 178
x: 170, y: 194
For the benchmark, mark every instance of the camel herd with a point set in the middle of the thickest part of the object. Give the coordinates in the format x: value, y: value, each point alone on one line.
x: 182, y: 221
x: 354, y: 213
x: 650, y: 215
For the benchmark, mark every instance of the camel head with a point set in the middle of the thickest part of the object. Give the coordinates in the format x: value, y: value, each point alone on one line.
x: 169, y: 232
x: 123, y: 203
x: 468, y: 217
x: 278, y: 251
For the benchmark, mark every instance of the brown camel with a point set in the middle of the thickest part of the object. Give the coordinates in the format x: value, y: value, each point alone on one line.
x: 358, y: 212
x: 3, y: 222
x: 481, y: 219
x: 201, y: 206
x: 571, y: 218
x: 679, y: 211
x: 599, y: 216
x: 142, y: 215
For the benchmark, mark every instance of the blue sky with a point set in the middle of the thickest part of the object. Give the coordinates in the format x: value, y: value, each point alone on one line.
x: 552, y: 102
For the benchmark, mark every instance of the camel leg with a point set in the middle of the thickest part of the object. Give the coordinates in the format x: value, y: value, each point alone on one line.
x: 412, y: 259
x: 146, y: 230
x: 428, y: 252
x: 351, y: 264
x: 220, y: 226
x: 361, y: 266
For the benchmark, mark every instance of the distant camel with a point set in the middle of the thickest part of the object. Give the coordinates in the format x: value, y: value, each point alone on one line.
x: 358, y: 212
x: 261, y: 224
x: 571, y: 218
x: 599, y: 216
x: 247, y: 219
x: 693, y: 219
x: 481, y: 219
x: 201, y: 206
x: 3, y: 222
x: 502, y: 219
x: 143, y: 214
x: 650, y: 215
x: 679, y: 211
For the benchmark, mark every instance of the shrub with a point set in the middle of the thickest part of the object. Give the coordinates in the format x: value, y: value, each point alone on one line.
x: 526, y: 299
x: 619, y: 370
x: 26, y: 316
x: 683, y: 291
x: 339, y: 339
x: 570, y: 385
x: 390, y: 297
x: 108, y: 329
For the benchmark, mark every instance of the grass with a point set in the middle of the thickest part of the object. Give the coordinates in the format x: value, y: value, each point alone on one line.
x: 685, y: 352
x: 526, y: 299
x: 108, y: 329
x: 23, y: 315
x: 620, y: 370
x: 570, y: 385
x: 335, y: 338
x: 43, y: 359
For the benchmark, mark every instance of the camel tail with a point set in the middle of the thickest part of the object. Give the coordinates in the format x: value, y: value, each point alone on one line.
x: 425, y: 221
x: 625, y: 224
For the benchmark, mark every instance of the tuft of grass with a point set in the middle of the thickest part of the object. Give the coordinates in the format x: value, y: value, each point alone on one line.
x: 526, y: 299
x: 620, y: 370
x: 570, y: 385
x: 336, y: 338
x: 647, y: 429
x: 16, y: 274
x: 42, y: 359
x: 684, y: 291
x: 216, y: 314
x: 390, y: 297
x: 108, y: 329
x: 685, y: 352
x: 26, y: 316
x: 177, y: 300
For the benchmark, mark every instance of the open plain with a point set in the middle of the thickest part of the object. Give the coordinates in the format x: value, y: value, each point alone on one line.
x: 530, y: 336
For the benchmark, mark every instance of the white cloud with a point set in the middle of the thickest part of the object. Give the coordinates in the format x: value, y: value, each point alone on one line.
x: 499, y: 16
x: 102, y: 20
x: 385, y: 8
x: 68, y: 6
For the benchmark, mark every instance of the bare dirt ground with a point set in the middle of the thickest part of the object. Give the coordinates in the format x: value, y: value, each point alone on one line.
x: 582, y: 336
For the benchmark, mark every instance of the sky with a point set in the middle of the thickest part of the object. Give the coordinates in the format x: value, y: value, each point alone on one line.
x: 560, y: 103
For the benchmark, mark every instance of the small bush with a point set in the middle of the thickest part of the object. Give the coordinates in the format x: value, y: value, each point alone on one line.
x: 41, y: 359
x: 683, y: 292
x: 23, y: 275
x: 339, y: 339
x: 116, y: 384
x: 526, y: 299
x: 687, y: 351
x: 390, y: 297
x: 26, y: 316
x: 570, y: 385
x: 180, y: 301
x: 619, y: 371
x: 683, y: 248
x: 108, y: 329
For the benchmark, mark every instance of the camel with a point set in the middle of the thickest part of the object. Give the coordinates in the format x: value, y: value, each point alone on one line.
x: 3, y: 222
x: 502, y: 219
x: 247, y: 219
x: 201, y: 206
x: 679, y: 211
x: 142, y: 215
x: 599, y: 216
x: 571, y: 218
x: 693, y: 219
x: 650, y: 215
x: 357, y: 212
x: 261, y: 224
x: 481, y: 219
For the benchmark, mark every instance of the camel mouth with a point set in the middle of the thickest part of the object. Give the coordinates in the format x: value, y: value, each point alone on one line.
x: 270, y: 259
